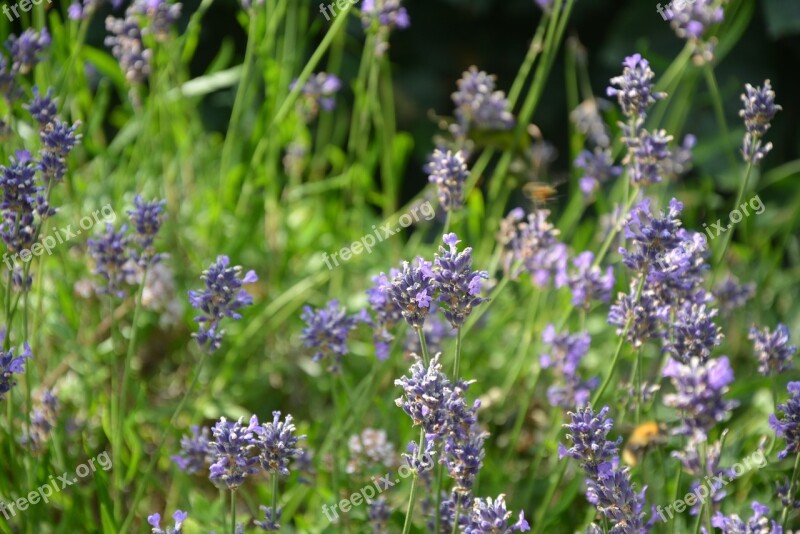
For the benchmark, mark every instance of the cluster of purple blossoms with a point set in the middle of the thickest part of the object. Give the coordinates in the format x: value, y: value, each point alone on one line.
x: 128, y: 48
x: 277, y: 444
x: 694, y: 333
x: 489, y: 515
x: 318, y: 93
x: 634, y: 88
x: 700, y: 387
x: 118, y: 256
x: 588, y: 121
x: 43, y: 109
x: 651, y: 237
x: 705, y: 470
x: 435, y: 403
x: 788, y: 426
x: 126, y: 41
x: 179, y: 517
x: 759, y: 110
x: 691, y: 22
x: 533, y: 243
x: 327, y: 331
x: 758, y: 523
x: 609, y: 487
x: 111, y: 254
x: 463, y: 458
x: 233, y: 449
x: 598, y: 168
x: 11, y: 365
x: 270, y: 524
x: 565, y: 356
x: 772, y: 349
x: 387, y: 313
x: 678, y: 277
x: 147, y: 218
x: 195, y: 455
x: 639, y: 315
x: 479, y: 105
x: 587, y: 282
x: 648, y: 154
x: 730, y: 294
x: 222, y: 297
x: 159, y: 17
x: 26, y: 50
x: 448, y: 170
x: 412, y: 290
x: 43, y: 419
x: 387, y: 15
x: 458, y: 286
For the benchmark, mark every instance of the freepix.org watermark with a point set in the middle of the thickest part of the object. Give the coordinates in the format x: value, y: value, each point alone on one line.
x: 341, y: 4
x: 710, y: 485
x: 59, y: 235
x: 43, y: 493
x: 378, y: 486
x: 369, y: 240
x: 24, y: 5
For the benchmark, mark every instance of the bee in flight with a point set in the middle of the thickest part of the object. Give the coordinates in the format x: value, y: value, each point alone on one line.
x: 643, y: 437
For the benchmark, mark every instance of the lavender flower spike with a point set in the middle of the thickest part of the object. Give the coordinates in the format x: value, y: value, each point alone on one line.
x: 11, y: 365
x: 588, y: 433
x: 222, y: 297
x: 772, y: 349
x: 413, y: 291
x: 459, y: 287
x: 111, y: 254
x: 634, y: 88
x: 196, y: 453
x: 788, y: 426
x: 277, y: 444
x: 759, y: 110
x: 699, y: 390
x: 758, y: 523
x: 327, y: 330
x: 147, y: 218
x: 233, y: 448
x: 449, y: 172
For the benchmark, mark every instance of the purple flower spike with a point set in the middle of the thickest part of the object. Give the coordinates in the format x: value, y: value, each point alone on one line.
x: 699, y: 394
x: 234, y: 451
x: 196, y: 454
x: 788, y: 426
x: 318, y: 93
x: 634, y: 88
x: 26, y: 49
x: 11, y: 365
x: 449, y: 172
x: 111, y: 253
x: 277, y: 444
x: 412, y: 290
x: 327, y: 331
x: 222, y: 297
x: 772, y: 349
x: 758, y: 523
x: 478, y: 105
x: 588, y: 282
x: 147, y: 218
x: 459, y: 287
x: 759, y: 110
x: 588, y: 433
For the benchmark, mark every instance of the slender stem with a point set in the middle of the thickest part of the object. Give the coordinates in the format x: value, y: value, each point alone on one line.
x: 790, y: 493
x: 707, y: 505
x: 274, y: 517
x: 458, y: 513
x: 126, y: 370
x: 423, y: 345
x: 457, y: 362
x: 233, y: 512
x: 437, y: 511
x: 739, y: 195
x: 412, y: 495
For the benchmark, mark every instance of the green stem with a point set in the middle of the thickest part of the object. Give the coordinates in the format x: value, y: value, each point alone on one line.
x: 457, y: 362
x: 455, y: 518
x: 423, y: 345
x: 790, y: 493
x: 437, y: 514
x: 739, y: 195
x: 274, y: 497
x: 233, y: 512
x: 412, y: 495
